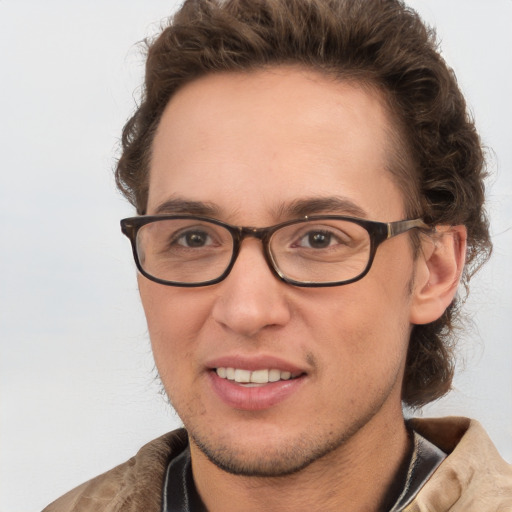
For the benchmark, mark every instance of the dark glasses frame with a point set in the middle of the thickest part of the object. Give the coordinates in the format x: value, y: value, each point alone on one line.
x: 379, y: 232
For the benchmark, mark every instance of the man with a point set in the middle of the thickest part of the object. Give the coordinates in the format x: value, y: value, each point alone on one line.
x: 309, y: 189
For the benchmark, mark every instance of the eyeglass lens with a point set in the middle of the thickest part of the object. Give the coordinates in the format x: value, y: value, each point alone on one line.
x: 195, y: 251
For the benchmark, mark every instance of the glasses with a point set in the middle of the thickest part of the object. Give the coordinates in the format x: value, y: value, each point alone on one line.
x: 320, y: 250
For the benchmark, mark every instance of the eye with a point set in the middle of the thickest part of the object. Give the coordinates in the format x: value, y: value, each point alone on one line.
x: 193, y: 239
x: 319, y: 239
x: 316, y: 240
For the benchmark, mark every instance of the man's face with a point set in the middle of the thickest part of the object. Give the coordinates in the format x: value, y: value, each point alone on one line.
x: 245, y: 148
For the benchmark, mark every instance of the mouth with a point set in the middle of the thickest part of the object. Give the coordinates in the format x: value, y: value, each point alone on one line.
x: 261, y: 377
x: 255, y: 383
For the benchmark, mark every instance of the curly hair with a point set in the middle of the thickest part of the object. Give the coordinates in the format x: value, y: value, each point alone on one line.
x: 381, y: 43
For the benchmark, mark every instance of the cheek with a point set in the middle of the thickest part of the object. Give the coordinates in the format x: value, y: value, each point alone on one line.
x: 365, y: 329
x: 174, y: 317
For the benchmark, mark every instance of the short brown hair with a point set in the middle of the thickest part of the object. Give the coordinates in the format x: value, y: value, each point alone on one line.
x: 377, y: 42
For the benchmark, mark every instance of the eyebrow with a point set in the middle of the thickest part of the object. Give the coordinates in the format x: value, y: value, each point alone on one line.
x: 184, y: 207
x: 298, y: 208
x: 317, y: 205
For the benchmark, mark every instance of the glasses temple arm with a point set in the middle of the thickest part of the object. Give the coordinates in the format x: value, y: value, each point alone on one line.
x: 401, y: 226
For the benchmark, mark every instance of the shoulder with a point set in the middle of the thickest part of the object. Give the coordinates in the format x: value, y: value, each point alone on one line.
x: 473, y: 477
x: 132, y: 486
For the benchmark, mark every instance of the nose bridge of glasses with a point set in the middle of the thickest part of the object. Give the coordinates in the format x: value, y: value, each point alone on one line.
x: 250, y: 232
x: 262, y: 234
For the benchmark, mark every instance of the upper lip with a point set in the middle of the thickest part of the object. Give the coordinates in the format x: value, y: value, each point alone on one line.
x: 253, y: 363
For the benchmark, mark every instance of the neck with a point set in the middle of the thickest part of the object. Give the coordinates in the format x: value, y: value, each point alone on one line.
x: 366, y: 473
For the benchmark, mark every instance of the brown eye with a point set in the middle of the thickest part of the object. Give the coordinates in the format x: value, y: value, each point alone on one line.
x: 194, y: 239
x: 318, y: 240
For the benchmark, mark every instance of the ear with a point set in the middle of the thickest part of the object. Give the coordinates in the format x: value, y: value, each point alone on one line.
x: 438, y: 271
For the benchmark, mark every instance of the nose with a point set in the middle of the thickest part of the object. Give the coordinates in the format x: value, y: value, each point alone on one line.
x: 251, y: 297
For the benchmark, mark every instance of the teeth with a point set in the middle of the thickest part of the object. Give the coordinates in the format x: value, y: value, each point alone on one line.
x: 255, y: 377
x: 259, y: 376
x: 274, y: 375
x: 243, y: 376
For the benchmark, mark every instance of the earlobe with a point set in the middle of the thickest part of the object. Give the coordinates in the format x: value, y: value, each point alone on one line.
x: 438, y: 271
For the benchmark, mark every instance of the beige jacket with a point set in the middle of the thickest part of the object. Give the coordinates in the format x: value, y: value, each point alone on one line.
x: 473, y: 478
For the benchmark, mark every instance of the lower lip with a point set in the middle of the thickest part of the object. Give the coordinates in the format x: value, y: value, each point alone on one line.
x: 254, y: 398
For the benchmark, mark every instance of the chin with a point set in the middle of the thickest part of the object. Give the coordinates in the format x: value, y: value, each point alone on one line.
x: 267, y: 458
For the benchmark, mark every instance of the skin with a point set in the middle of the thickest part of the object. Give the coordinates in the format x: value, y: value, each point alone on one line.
x: 248, y: 145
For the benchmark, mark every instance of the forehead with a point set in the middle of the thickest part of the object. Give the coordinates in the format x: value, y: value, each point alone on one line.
x: 262, y: 139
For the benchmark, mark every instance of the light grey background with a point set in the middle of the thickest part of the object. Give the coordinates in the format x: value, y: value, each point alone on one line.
x: 78, y: 394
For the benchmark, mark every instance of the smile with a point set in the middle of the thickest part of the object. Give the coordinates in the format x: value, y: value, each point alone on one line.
x: 254, y: 377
